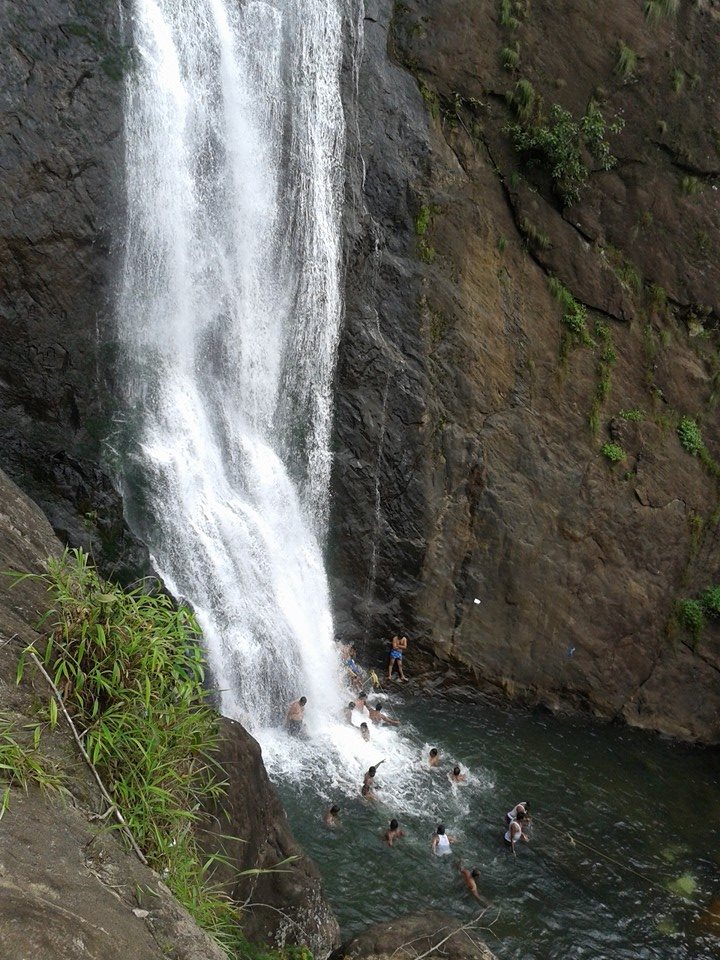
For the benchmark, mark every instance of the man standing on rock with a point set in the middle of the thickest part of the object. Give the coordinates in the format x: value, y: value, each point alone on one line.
x: 295, y: 716
x: 396, y: 657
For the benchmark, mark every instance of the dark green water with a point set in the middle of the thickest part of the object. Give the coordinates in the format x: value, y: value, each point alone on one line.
x: 653, y: 806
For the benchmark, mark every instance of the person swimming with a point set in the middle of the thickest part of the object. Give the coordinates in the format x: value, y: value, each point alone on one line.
x: 434, y: 757
x: 364, y: 731
x: 457, y: 776
x: 470, y: 877
x: 369, y: 778
x: 441, y: 841
x: 377, y: 716
x: 330, y: 817
x: 393, y: 832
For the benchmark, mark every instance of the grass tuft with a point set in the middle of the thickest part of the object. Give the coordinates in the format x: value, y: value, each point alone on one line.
x: 626, y: 62
x: 657, y: 9
x: 131, y: 671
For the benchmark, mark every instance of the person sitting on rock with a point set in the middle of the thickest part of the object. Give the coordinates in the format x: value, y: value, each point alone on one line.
x: 441, y: 841
x: 434, y: 757
x: 295, y: 716
x: 393, y: 832
x: 457, y: 776
x: 377, y: 716
x: 330, y: 817
x: 396, y: 657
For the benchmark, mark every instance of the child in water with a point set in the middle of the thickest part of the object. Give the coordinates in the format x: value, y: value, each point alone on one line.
x: 393, y: 832
x: 457, y: 776
x: 330, y: 817
x: 364, y: 731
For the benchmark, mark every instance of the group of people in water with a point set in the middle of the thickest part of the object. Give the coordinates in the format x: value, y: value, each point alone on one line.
x: 441, y: 841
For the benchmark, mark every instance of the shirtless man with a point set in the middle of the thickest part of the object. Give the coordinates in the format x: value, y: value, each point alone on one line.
x: 393, y: 832
x: 365, y: 731
x: 295, y: 716
x: 369, y: 781
x: 469, y: 877
x: 361, y: 704
x: 330, y: 817
x: 457, y: 776
x: 399, y: 644
x: 434, y: 758
x: 377, y: 716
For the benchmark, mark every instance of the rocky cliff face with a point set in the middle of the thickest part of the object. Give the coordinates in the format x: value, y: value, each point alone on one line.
x: 61, y: 69
x: 68, y: 888
x: 476, y: 392
x: 470, y: 411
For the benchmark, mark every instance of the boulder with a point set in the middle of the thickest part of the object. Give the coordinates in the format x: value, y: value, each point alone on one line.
x: 68, y: 887
x: 416, y: 935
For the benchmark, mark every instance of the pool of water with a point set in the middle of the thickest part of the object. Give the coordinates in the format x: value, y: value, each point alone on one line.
x: 644, y: 814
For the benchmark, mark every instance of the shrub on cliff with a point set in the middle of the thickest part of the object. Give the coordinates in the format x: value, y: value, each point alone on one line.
x: 559, y: 143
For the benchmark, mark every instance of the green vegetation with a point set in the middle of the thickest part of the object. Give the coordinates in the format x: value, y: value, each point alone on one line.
x: 131, y: 673
x: 535, y: 238
x: 574, y: 318
x: 21, y: 762
x: 422, y: 224
x: 691, y: 441
x: 502, y: 244
x: 690, y: 436
x: 703, y: 243
x: 656, y: 9
x: 634, y: 416
x: 690, y: 185
x: 606, y: 361
x: 507, y: 15
x: 613, y: 452
x: 557, y: 142
x: 510, y: 57
x: 523, y: 99
x: 626, y: 63
x: 691, y: 617
x: 710, y: 600
x: 432, y: 101
x: 626, y: 271
x: 678, y: 80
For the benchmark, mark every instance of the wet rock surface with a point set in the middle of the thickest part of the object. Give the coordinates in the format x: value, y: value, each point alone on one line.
x: 61, y: 74
x: 415, y: 935
x: 469, y: 430
x: 67, y: 886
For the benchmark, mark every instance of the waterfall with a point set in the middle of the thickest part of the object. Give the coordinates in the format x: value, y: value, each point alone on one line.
x: 228, y: 318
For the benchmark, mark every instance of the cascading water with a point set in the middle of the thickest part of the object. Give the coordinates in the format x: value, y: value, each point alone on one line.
x: 228, y: 321
x: 229, y: 314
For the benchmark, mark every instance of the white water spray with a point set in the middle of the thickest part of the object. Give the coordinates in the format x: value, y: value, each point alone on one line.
x: 228, y: 322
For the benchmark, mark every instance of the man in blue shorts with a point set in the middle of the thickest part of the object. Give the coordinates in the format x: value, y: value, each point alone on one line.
x: 396, y: 657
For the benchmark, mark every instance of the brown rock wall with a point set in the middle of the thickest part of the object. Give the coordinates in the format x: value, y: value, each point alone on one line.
x: 469, y: 461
